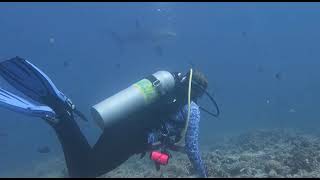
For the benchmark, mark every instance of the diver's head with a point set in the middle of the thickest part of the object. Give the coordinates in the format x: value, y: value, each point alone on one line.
x: 199, y: 83
x: 198, y: 86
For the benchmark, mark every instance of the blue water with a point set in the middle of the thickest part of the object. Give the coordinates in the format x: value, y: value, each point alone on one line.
x: 240, y: 47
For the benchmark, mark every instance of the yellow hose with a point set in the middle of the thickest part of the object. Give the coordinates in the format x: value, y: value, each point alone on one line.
x: 183, y: 133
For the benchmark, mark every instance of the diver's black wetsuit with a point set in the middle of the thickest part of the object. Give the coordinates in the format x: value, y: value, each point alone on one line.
x: 117, y: 144
x: 110, y: 151
x: 114, y: 146
x: 126, y: 138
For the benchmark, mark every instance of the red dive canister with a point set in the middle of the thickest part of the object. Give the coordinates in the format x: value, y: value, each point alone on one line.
x: 159, y: 157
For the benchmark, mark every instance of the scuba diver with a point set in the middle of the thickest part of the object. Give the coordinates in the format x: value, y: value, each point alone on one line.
x: 157, y: 114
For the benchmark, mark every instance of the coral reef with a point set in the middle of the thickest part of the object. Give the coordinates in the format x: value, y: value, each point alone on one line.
x: 258, y: 153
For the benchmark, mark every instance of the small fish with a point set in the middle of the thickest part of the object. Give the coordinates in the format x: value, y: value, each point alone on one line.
x: 142, y: 35
x: 138, y: 25
x: 117, y: 65
x: 278, y: 76
x: 292, y: 110
x: 3, y: 134
x: 244, y: 34
x: 260, y: 69
x: 44, y: 149
x: 159, y: 50
x: 66, y: 63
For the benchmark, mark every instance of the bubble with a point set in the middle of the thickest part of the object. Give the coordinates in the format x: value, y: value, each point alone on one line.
x: 292, y: 110
x: 51, y: 40
x: 268, y: 101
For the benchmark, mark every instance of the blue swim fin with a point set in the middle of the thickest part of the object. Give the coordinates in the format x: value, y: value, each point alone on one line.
x: 32, y: 82
x: 28, y: 79
x: 21, y: 105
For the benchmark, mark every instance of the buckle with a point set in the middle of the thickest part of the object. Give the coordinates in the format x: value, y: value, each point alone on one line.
x: 70, y: 104
x: 53, y: 120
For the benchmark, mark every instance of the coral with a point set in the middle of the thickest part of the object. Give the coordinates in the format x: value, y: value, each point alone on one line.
x: 302, y: 156
x: 260, y: 153
x: 273, y: 165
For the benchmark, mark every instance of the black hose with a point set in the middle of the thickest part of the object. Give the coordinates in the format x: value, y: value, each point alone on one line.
x: 212, y: 100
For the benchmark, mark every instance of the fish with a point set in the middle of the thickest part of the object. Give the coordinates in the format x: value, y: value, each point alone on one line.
x: 117, y: 65
x: 44, y: 150
x: 3, y: 134
x: 260, y: 69
x: 138, y: 25
x: 141, y: 35
x: 292, y: 110
x: 244, y: 34
x: 159, y: 50
x: 66, y: 63
x: 279, y: 75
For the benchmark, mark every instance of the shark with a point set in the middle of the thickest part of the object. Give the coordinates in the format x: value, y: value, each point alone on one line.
x: 140, y: 35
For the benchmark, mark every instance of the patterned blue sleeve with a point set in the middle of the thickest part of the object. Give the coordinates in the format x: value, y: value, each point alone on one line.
x: 192, y: 139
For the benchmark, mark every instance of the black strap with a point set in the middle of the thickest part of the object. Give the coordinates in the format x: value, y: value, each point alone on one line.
x: 152, y: 79
x: 211, y: 98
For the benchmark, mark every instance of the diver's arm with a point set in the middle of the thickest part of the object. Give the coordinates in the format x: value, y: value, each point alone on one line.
x: 192, y: 140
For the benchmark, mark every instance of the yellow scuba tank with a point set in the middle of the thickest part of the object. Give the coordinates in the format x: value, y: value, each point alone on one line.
x: 132, y: 99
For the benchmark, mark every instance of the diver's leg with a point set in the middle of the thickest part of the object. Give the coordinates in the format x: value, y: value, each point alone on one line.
x: 115, y: 146
x: 107, y: 154
x: 75, y: 146
x: 35, y: 84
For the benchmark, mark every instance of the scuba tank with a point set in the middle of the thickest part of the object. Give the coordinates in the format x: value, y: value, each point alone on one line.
x: 132, y: 99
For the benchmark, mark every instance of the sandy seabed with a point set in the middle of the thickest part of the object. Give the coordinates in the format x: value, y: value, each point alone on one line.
x: 258, y: 153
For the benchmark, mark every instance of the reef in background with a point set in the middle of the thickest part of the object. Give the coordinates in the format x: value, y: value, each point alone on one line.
x: 258, y: 153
